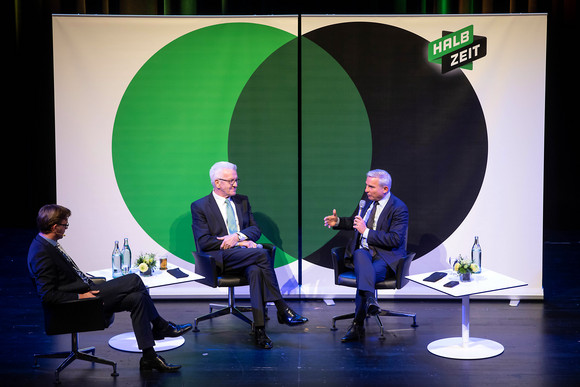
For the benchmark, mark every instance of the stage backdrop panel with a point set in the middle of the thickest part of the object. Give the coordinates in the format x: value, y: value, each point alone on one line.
x: 463, y: 143
x: 145, y: 105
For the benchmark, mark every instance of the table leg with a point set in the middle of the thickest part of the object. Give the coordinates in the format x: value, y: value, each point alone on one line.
x: 465, y: 320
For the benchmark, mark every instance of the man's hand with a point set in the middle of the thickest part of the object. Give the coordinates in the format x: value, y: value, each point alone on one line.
x: 229, y: 241
x: 89, y: 294
x: 248, y: 243
x: 359, y: 224
x: 331, y: 220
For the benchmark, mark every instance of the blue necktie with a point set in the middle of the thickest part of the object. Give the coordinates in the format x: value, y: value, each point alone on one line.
x: 231, y: 218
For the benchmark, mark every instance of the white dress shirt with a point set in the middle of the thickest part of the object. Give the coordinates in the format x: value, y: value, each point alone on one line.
x: 221, y: 202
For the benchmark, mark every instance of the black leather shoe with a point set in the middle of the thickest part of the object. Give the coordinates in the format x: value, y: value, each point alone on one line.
x: 171, y: 330
x: 158, y: 363
x: 373, y: 307
x: 356, y: 332
x: 289, y: 317
x: 262, y: 339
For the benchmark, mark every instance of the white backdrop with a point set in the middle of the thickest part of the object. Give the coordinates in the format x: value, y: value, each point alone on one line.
x: 95, y: 59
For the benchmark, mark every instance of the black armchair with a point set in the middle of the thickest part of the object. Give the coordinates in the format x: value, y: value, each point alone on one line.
x: 72, y: 317
x: 206, y: 266
x: 344, y: 276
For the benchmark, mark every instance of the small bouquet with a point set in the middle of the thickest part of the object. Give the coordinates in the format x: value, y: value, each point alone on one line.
x: 465, y: 265
x: 146, y: 263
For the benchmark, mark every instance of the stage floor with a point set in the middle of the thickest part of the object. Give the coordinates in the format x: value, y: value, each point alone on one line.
x: 541, y: 348
x: 541, y: 340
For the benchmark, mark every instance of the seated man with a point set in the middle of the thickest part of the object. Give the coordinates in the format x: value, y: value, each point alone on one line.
x: 59, y: 279
x: 224, y: 227
x: 378, y: 244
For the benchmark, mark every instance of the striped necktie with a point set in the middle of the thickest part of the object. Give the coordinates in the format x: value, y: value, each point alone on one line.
x: 74, y: 265
x: 371, y: 220
x: 371, y: 225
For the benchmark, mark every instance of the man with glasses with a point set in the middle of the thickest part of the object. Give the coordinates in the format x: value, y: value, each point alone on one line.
x: 224, y: 227
x: 58, y: 279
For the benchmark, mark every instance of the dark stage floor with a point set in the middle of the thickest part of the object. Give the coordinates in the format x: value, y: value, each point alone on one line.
x: 541, y: 340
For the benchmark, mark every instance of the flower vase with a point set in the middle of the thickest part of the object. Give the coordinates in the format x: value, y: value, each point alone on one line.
x: 146, y: 273
x: 464, y: 277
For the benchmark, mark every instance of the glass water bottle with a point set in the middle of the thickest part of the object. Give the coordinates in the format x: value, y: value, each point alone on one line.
x: 476, y: 254
x: 116, y: 260
x: 126, y: 257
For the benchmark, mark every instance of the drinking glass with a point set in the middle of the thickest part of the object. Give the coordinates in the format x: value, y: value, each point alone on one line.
x: 163, y: 263
x: 452, y: 261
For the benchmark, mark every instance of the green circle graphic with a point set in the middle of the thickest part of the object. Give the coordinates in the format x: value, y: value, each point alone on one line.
x: 173, y: 121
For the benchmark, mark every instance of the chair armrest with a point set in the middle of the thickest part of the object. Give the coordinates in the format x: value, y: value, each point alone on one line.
x: 206, y: 266
x: 98, y: 280
x: 82, y: 315
x: 403, y: 267
x: 337, y: 254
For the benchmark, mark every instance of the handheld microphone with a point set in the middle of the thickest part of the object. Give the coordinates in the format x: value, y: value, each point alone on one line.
x: 361, y: 205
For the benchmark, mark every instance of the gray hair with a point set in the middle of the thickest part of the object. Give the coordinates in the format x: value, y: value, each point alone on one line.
x: 215, y: 170
x: 383, y: 176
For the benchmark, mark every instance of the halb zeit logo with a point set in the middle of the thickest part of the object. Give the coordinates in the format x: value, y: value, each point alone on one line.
x: 457, y: 49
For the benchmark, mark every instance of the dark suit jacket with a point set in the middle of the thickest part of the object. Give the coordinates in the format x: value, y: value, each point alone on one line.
x: 390, y: 237
x: 208, y: 224
x: 55, y: 278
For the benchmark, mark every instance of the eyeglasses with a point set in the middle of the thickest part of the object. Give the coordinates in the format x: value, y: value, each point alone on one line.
x: 65, y: 225
x: 231, y: 182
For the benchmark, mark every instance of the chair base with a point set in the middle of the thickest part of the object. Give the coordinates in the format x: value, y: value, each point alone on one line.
x: 86, y: 354
x: 239, y: 308
x: 222, y: 306
x: 223, y: 310
x: 378, y: 317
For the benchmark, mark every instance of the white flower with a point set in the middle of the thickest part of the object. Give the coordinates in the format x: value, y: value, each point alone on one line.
x: 143, y: 267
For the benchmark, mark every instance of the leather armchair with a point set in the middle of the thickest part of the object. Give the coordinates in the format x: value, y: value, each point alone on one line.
x: 206, y: 266
x: 344, y: 275
x: 72, y: 317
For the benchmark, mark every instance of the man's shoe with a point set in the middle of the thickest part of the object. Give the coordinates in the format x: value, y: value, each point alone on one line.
x: 262, y: 339
x: 171, y: 330
x: 373, y: 307
x: 158, y: 363
x: 289, y: 317
x: 356, y: 332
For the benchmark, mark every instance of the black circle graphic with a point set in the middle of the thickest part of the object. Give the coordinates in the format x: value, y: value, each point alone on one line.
x: 428, y: 129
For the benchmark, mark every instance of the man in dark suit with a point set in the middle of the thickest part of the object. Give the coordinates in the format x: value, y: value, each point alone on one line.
x: 58, y: 279
x: 379, y: 243
x: 224, y: 227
